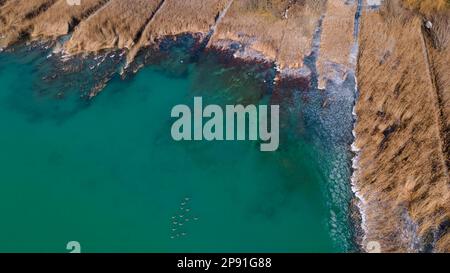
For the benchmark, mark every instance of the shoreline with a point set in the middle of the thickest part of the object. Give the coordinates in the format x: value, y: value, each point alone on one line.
x: 229, y: 49
x: 359, y: 199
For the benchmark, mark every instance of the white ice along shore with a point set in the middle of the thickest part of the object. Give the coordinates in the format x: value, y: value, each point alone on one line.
x: 374, y: 3
x: 361, y: 202
x: 234, y: 118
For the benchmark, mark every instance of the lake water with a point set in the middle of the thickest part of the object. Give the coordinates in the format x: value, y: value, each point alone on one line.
x: 106, y: 173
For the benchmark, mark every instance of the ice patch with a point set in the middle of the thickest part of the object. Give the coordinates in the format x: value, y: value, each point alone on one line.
x: 373, y: 3
x: 303, y: 71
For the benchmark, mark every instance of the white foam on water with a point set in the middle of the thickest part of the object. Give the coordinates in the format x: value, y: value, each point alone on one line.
x: 373, y: 3
x: 277, y: 67
x: 361, y: 204
x: 355, y: 148
x: 303, y: 71
x: 361, y: 201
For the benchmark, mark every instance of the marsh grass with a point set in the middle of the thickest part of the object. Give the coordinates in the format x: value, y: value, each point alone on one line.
x: 114, y: 26
x: 428, y: 6
x: 440, y: 32
x: 402, y: 175
x: 16, y: 18
x: 61, y: 18
x: 280, y: 30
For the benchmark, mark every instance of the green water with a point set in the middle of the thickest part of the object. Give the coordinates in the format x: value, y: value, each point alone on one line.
x: 106, y: 173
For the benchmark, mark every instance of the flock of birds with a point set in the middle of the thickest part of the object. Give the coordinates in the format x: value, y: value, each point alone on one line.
x: 181, y: 219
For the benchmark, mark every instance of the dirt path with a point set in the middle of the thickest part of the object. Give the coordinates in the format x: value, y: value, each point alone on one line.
x: 439, y: 113
x: 148, y: 21
x: 134, y: 51
x: 94, y: 9
x: 218, y: 20
x: 99, y: 10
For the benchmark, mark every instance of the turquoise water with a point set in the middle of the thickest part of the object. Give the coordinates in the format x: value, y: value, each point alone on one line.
x: 106, y: 172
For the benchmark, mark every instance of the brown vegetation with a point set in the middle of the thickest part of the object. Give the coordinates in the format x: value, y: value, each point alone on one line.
x: 440, y: 31
x: 336, y: 49
x: 402, y: 177
x: 404, y: 104
x: 178, y: 17
x: 41, y: 18
x: 117, y: 25
x: 439, y: 55
x: 280, y: 30
x: 16, y: 17
x: 441, y: 68
x: 61, y: 18
x: 428, y: 6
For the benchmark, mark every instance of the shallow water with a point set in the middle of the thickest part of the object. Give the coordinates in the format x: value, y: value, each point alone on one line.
x: 106, y: 172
